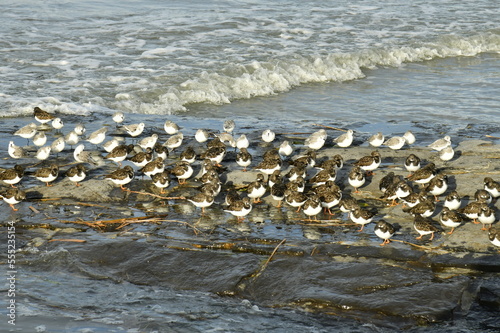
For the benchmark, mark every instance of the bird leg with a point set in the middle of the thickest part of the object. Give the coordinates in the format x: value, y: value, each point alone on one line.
x: 386, y: 241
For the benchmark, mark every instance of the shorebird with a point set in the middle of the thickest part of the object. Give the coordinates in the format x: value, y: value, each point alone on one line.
x: 482, y: 195
x: 492, y: 186
x: 486, y: 217
x: 412, y: 163
x: 201, y: 135
x: 57, y: 124
x: 423, y: 175
x: 161, y: 151
x: 12, y: 176
x: 452, y: 201
x: 409, y: 137
x: 174, y: 141
x: 440, y: 144
x: 472, y: 210
x: 43, y: 153
x: 356, y: 178
x: 268, y: 136
x: 294, y: 197
x: 80, y: 129
x: 336, y: 161
x: 228, y: 126
x: 242, y: 142
x: 15, y: 151
x: 226, y: 138
x: 58, y: 145
x: 446, y: 154
x: 361, y: 216
x: 231, y: 196
x: 72, y: 138
x: 161, y: 180
x: 316, y: 140
x: 214, y: 154
x: 240, y: 208
x: 182, y: 170
x: 395, y: 143
x: 273, y: 178
x: 170, y: 127
x: 437, y: 185
x: 188, y: 155
x: 121, y: 176
x: 348, y: 204
x: 148, y: 142
x: 269, y: 165
x: 424, y: 227
x: 385, y: 231
x: 256, y: 189
x: 81, y: 156
x: 345, y: 140
x: 243, y: 158
x: 13, y: 196
x: 118, y: 117
x: 111, y: 144
x: 118, y: 154
x: 39, y: 139
x: 330, y: 199
x: 97, y: 136
x: 27, y: 132
x: 494, y: 237
x: 450, y: 218
x: 142, y: 158
x: 76, y: 174
x: 47, y: 174
x: 202, y: 200
x: 323, y: 176
x: 278, y: 192
x: 387, y: 181
x: 155, y: 166
x: 134, y: 129
x: 312, y: 206
x: 424, y: 208
x: 42, y: 116
x: 370, y: 162
x: 285, y: 148
x: 376, y: 140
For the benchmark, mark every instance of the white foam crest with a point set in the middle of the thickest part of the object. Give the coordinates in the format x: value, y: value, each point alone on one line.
x: 276, y: 76
x: 52, y: 105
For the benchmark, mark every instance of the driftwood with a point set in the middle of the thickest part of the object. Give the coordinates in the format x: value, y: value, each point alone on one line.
x: 330, y: 127
x: 264, y: 266
x: 155, y: 195
x: 123, y: 222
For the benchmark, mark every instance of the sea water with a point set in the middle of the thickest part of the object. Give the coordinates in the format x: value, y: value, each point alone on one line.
x: 429, y: 66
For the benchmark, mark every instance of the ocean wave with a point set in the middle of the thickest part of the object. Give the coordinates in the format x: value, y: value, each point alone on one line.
x: 258, y: 79
x: 145, y: 89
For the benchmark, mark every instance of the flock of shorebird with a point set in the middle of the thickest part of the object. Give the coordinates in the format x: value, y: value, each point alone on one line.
x: 290, y: 177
